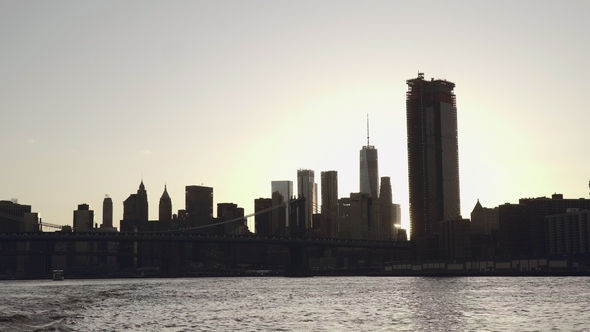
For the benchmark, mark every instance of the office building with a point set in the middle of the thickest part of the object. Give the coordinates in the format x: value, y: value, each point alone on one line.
x: 12, y: 216
x: 329, y: 211
x: 369, y: 170
x: 135, y: 207
x: 32, y: 222
x: 285, y: 189
x: 279, y: 215
x: 107, y: 212
x: 199, y: 205
x: 165, y: 206
x: 362, y: 216
x: 484, y: 220
x: 12, y: 219
x: 229, y: 212
x: 356, y: 217
x: 306, y: 188
x: 433, y: 160
x: 455, y: 239
x: 514, y: 239
x: 344, y: 225
x: 263, y: 220
x: 523, y: 227
x: 397, y: 216
x: 83, y: 218
x: 387, y: 231
x: 569, y: 232
x: 83, y: 222
x: 484, y: 231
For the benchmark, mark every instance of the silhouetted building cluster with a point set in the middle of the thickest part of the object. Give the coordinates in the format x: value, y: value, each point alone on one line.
x: 534, y: 227
x: 16, y: 217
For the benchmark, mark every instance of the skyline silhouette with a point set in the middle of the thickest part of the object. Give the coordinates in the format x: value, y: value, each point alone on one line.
x: 98, y: 96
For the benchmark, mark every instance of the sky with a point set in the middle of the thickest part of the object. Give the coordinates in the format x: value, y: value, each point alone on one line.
x: 96, y: 96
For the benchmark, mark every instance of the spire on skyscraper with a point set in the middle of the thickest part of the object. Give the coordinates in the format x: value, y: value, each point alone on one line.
x: 369, y: 169
x: 368, y: 130
x: 165, y: 206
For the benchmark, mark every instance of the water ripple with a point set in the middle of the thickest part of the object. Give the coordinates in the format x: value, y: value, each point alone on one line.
x: 314, y: 304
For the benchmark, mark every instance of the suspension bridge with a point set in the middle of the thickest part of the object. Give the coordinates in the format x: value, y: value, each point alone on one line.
x: 297, y: 241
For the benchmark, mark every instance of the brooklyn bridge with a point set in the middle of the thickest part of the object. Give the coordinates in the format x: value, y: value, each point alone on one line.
x: 167, y: 251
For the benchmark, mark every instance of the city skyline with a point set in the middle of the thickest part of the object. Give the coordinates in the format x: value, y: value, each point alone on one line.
x: 97, y: 97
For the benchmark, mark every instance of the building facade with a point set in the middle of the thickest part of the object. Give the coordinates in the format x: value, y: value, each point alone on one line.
x: 523, y: 226
x: 229, y: 212
x: 484, y: 220
x: 279, y: 215
x: 485, y: 226
x: 107, y: 212
x: 329, y: 211
x: 165, y: 207
x: 433, y: 160
x: 306, y: 188
x: 569, y: 233
x: 388, y: 230
x: 199, y: 205
x: 263, y: 220
x: 12, y: 216
x: 455, y: 238
x: 369, y: 171
x: 83, y: 218
x: 285, y: 189
x: 135, y: 207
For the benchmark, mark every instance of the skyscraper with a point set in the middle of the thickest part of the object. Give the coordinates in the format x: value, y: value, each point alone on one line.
x: 199, y: 205
x: 107, y: 212
x: 83, y: 218
x: 305, y: 188
x: 135, y: 207
x: 433, y: 160
x: 279, y: 216
x: 263, y: 221
x: 11, y: 216
x: 329, y: 212
x: 165, y: 206
x: 369, y: 169
x: 387, y: 213
x: 285, y: 189
x: 226, y: 212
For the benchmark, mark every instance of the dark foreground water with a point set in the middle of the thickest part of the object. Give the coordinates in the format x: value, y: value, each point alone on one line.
x: 313, y: 304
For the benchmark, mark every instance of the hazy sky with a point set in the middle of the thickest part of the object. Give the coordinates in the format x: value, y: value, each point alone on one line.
x: 235, y: 94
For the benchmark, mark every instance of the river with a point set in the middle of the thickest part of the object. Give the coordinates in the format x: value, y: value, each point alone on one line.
x: 307, y: 304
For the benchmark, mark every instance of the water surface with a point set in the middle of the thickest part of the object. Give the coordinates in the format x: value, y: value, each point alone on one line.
x: 310, y: 304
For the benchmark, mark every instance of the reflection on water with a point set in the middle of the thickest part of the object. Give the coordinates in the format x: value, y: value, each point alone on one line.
x: 313, y: 304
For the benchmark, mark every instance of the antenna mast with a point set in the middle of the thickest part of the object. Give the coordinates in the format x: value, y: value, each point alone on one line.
x: 367, y: 129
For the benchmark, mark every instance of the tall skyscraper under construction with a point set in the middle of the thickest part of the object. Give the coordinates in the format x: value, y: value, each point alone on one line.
x: 369, y: 171
x: 433, y: 160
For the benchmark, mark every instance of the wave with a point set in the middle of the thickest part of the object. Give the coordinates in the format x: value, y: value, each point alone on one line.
x: 38, y: 323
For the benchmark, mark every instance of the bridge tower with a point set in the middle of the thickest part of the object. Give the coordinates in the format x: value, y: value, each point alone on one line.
x: 298, y: 261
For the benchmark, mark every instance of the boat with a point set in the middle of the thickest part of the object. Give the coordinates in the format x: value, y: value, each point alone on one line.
x: 58, y: 275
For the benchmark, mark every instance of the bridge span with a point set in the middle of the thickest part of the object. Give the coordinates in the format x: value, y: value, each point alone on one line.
x: 172, y: 237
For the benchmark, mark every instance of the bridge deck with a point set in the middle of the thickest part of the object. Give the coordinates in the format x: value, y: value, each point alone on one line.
x: 196, y: 238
